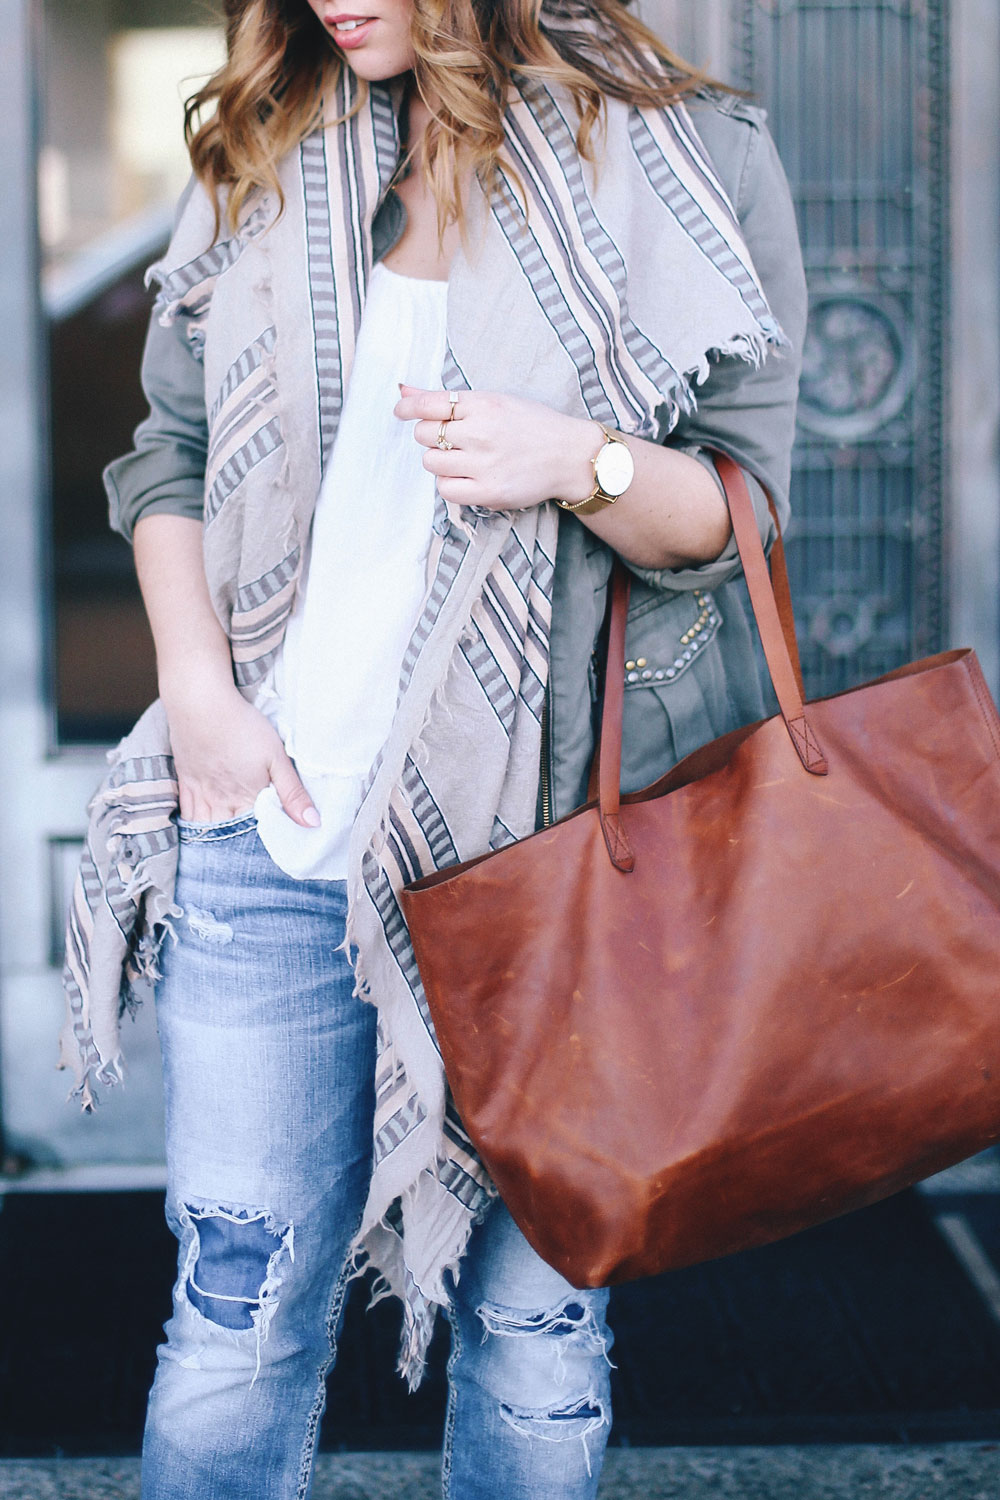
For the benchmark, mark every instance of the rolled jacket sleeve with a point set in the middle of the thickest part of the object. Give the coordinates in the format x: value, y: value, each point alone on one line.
x: 749, y: 412
x: 165, y: 471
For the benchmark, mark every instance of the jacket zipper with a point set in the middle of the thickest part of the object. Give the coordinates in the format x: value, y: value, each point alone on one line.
x: 546, y: 765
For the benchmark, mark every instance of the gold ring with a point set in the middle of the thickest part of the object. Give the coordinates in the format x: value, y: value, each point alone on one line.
x: 453, y: 398
x: 442, y: 441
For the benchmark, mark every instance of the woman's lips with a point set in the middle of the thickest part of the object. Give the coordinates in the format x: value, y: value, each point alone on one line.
x: 348, y: 36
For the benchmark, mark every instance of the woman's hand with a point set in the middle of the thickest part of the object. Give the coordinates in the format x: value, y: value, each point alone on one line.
x: 225, y: 750
x: 225, y: 753
x: 507, y: 453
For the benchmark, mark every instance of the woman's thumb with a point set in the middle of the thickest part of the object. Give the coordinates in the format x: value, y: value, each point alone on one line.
x: 291, y: 793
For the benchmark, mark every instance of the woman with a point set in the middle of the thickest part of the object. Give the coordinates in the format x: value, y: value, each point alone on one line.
x: 376, y: 604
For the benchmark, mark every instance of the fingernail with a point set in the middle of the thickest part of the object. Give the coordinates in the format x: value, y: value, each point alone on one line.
x: 400, y: 384
x: 311, y: 817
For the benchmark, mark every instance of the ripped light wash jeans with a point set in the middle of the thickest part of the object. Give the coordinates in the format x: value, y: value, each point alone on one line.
x: 268, y: 1061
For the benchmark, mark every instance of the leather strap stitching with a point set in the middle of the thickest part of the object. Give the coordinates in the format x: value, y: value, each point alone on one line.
x: 807, y: 746
x: 617, y: 842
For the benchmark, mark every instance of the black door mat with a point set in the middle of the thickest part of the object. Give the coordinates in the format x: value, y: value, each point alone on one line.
x: 863, y: 1330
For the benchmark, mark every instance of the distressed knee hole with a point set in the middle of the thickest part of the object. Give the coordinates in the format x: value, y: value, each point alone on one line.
x: 559, y: 1423
x: 571, y: 1319
x: 234, y: 1265
x: 570, y: 1422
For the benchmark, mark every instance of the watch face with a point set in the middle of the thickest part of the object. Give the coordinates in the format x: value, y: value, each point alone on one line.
x: 614, y: 469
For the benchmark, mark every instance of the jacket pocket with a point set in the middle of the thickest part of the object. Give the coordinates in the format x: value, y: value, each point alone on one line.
x: 665, y: 637
x: 676, y: 696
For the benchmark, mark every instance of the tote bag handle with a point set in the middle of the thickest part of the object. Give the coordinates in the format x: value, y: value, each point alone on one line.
x: 771, y: 602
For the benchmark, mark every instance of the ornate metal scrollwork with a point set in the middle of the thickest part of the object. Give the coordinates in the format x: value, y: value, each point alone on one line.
x: 842, y: 624
x: 858, y: 364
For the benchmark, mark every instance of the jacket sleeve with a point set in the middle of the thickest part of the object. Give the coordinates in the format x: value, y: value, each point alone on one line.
x: 749, y: 413
x: 165, y: 471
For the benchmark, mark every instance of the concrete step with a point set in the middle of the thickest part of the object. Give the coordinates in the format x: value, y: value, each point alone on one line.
x: 944, y: 1471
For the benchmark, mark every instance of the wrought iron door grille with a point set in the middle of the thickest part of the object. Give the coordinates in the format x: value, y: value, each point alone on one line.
x: 856, y: 92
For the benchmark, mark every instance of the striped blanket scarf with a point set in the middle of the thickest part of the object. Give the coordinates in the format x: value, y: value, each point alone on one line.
x: 601, y: 292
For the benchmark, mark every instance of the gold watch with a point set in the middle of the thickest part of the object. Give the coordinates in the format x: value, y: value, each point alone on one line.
x: 614, y: 470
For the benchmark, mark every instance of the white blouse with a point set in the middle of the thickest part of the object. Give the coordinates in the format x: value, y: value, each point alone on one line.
x: 331, y: 693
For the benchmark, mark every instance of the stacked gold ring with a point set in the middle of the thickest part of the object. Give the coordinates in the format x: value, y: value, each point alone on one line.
x: 442, y: 440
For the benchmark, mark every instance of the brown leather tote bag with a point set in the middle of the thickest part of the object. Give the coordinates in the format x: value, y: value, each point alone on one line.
x: 757, y: 994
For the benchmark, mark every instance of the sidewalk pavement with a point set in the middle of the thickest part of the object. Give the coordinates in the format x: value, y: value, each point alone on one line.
x: 944, y: 1471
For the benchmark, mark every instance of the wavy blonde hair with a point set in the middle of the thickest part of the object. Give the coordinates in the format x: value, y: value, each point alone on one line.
x: 469, y: 55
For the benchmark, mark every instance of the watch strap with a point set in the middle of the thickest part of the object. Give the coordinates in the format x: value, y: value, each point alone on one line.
x: 598, y: 499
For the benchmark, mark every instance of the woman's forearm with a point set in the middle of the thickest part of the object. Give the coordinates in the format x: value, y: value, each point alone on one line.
x: 191, y: 645
x: 673, y: 514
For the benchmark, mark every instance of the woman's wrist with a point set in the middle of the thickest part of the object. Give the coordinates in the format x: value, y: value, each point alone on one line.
x: 202, y: 679
x: 577, y: 450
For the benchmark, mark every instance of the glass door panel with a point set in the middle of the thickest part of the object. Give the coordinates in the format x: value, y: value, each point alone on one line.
x: 111, y: 166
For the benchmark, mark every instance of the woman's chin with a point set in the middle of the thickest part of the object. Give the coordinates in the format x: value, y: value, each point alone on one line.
x: 375, y: 65
x: 376, y: 74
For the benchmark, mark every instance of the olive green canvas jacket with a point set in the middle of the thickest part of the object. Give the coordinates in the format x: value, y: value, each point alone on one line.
x: 693, y: 672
